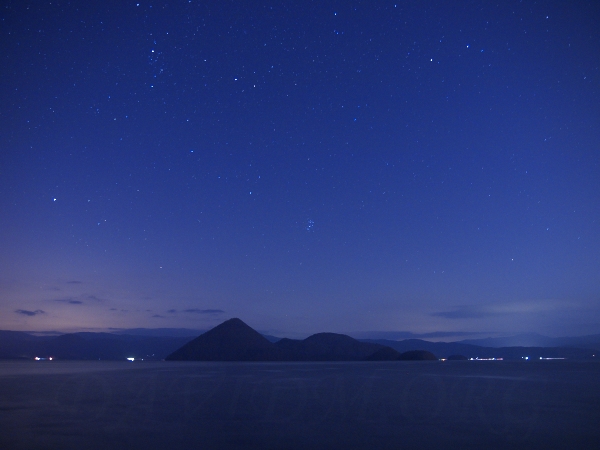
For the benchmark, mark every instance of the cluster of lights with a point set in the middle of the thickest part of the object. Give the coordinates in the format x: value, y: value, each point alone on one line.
x: 486, y: 359
x: 526, y: 358
x: 37, y: 358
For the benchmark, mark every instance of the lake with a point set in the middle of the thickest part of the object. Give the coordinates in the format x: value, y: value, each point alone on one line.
x: 325, y: 405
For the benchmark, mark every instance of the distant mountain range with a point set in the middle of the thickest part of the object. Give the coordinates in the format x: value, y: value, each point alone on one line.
x: 537, y: 340
x: 87, y: 346
x: 234, y: 340
x: 445, y: 349
x: 169, y: 332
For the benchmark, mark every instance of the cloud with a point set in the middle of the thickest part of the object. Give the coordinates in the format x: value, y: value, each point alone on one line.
x: 30, y: 313
x: 203, y: 311
x: 71, y: 301
x: 158, y: 316
x: 74, y: 282
x: 172, y: 311
x: 78, y: 300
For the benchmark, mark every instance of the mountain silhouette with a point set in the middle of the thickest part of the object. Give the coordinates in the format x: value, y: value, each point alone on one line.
x: 87, y: 346
x: 327, y: 347
x: 537, y: 340
x: 445, y: 349
x: 233, y: 340
x: 417, y: 355
x: 384, y: 354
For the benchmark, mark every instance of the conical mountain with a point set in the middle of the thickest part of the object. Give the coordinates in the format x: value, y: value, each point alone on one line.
x: 233, y: 340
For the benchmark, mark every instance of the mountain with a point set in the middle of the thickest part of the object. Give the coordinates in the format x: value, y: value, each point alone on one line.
x: 233, y: 340
x: 384, y: 354
x: 538, y: 340
x: 441, y: 349
x: 17, y: 344
x: 417, y: 355
x: 326, y: 347
x: 271, y: 338
x: 87, y: 346
x: 445, y: 349
x: 171, y: 332
x: 110, y: 346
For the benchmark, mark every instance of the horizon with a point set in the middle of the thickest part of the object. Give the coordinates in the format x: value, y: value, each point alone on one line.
x: 443, y: 337
x: 309, y: 166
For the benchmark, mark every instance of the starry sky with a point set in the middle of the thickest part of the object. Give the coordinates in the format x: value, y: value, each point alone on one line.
x: 427, y: 167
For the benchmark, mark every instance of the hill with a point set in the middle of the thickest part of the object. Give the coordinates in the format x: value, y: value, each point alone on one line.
x: 326, y: 347
x: 445, y: 349
x: 233, y: 340
x: 417, y: 355
x: 537, y: 340
x: 87, y: 346
x: 384, y: 354
x: 441, y: 349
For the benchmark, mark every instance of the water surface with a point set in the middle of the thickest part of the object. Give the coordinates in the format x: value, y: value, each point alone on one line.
x: 155, y: 405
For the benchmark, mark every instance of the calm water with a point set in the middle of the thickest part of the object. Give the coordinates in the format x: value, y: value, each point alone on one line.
x: 101, y: 405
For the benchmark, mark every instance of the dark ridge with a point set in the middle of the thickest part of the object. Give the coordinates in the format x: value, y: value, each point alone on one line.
x: 87, y: 346
x: 162, y: 332
x: 107, y: 346
x: 326, y: 347
x: 442, y: 349
x: 270, y: 338
x: 536, y: 340
x: 233, y: 340
x: 417, y: 355
x: 384, y: 354
x: 457, y: 358
x: 239, y: 342
x: 18, y: 344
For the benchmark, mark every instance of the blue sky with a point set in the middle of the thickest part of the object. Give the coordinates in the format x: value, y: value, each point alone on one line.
x: 305, y: 166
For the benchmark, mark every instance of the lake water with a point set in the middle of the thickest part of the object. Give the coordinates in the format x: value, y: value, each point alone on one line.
x: 395, y: 405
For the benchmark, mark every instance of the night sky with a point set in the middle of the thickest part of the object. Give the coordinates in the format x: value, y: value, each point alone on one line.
x: 353, y: 166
